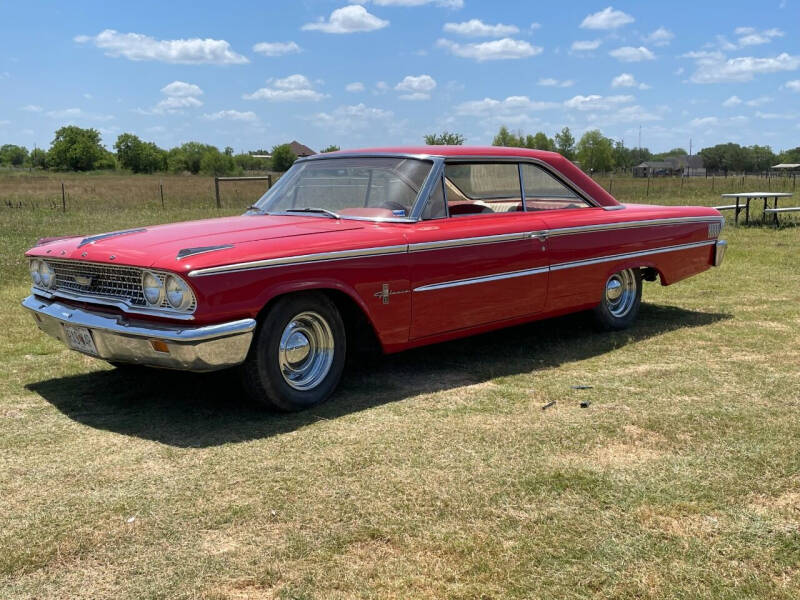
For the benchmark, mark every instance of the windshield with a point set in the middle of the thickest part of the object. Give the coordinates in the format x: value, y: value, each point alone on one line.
x: 348, y: 187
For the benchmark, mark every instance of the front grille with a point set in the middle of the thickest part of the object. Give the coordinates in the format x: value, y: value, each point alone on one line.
x: 105, y: 282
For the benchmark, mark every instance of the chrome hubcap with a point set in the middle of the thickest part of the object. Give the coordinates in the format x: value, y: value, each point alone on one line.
x: 306, y: 350
x: 621, y: 293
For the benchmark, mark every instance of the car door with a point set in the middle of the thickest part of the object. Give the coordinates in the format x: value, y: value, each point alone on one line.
x: 475, y: 257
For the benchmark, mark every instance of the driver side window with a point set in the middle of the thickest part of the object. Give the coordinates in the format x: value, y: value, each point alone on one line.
x: 482, y: 188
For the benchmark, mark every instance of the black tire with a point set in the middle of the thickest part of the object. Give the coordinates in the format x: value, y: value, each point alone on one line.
x: 282, y: 377
x: 616, y: 312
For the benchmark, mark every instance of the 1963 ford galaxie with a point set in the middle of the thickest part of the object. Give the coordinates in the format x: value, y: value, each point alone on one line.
x: 405, y: 246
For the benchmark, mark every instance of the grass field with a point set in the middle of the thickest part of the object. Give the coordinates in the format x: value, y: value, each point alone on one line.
x: 431, y: 474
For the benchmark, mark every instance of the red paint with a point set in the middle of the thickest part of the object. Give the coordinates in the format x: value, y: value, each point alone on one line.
x: 415, y: 318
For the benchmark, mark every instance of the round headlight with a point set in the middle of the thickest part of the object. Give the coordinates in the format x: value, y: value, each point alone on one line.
x: 46, y: 275
x: 153, y: 288
x: 34, y: 269
x: 178, y: 294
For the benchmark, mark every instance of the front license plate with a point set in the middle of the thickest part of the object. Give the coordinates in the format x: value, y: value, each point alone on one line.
x: 80, y: 339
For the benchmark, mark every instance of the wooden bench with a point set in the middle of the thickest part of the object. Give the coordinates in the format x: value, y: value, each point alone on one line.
x: 776, y: 211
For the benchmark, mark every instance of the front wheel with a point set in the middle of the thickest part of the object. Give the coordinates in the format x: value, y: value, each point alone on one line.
x: 298, y: 353
x: 621, y: 300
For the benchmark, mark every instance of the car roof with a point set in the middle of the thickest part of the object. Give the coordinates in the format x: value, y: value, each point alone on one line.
x: 566, y: 167
x: 455, y: 151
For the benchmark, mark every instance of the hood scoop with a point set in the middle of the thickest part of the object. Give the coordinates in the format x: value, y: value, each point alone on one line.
x: 103, y: 236
x: 186, y: 252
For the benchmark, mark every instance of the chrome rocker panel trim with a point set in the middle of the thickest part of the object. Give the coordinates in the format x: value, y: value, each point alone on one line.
x: 118, y: 339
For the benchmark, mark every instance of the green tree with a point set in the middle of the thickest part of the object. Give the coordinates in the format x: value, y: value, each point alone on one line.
x: 791, y: 157
x: 540, y: 141
x: 331, y: 148
x: 38, y: 158
x: 75, y: 149
x: 595, y: 152
x: 139, y: 156
x: 214, y: 162
x: 565, y: 143
x: 505, y: 138
x: 446, y: 138
x: 13, y: 155
x: 282, y: 157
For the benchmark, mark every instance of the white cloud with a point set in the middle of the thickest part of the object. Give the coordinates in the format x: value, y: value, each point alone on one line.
x: 477, y: 28
x: 443, y: 3
x: 381, y: 88
x: 630, y: 114
x: 749, y: 36
x: 585, y: 45
x: 137, y: 46
x: 416, y: 87
x: 534, y: 26
x: 292, y: 88
x: 174, y: 104
x: 354, y: 87
x: 760, y: 101
x: 732, y: 101
x: 357, y: 117
x: 233, y: 115
x: 348, y: 19
x: 77, y: 113
x: 277, y: 48
x: 37, y: 108
x: 503, y: 49
x: 631, y: 54
x: 608, y: 18
x: 660, y: 37
x: 786, y: 116
x: 793, y: 85
x: 704, y: 122
x: 510, y: 106
x: 551, y: 82
x: 596, y: 102
x: 628, y: 80
x: 713, y: 68
x: 181, y: 89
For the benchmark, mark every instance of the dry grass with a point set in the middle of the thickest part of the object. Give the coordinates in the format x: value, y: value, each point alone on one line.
x: 432, y: 474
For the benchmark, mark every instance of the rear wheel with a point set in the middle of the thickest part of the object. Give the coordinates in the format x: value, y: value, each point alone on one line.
x: 298, y: 353
x: 621, y: 299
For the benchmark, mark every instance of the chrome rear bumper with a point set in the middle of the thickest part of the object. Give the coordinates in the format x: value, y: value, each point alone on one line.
x: 119, y: 339
x: 719, y: 252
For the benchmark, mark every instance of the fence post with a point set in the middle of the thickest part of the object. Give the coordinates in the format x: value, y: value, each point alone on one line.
x: 712, y: 183
x: 216, y: 190
x: 269, y: 180
x: 63, y: 198
x: 161, y: 189
x: 647, y: 193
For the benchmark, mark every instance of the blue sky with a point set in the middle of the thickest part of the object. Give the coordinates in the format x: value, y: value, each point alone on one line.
x: 385, y: 72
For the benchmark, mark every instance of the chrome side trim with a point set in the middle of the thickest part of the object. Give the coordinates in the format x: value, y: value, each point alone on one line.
x: 632, y: 225
x: 442, y: 245
x: 485, y: 279
x: 471, y: 241
x: 96, y: 238
x: 187, y: 252
x: 123, y: 306
x: 613, y: 257
x: 301, y: 259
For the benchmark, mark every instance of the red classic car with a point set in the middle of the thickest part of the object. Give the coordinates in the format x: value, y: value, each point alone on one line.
x: 403, y: 246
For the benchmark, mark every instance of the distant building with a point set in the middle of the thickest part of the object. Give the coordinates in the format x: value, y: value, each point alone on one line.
x: 786, y: 168
x: 671, y: 166
x: 300, y: 150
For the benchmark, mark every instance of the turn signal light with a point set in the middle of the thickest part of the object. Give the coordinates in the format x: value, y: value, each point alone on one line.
x: 159, y: 346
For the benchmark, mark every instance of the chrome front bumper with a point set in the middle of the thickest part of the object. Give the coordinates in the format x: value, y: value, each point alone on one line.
x: 119, y: 339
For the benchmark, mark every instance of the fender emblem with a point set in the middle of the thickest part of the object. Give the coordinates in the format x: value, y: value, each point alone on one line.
x: 385, y: 293
x: 83, y: 280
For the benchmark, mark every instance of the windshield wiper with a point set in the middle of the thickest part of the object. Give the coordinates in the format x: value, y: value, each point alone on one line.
x: 311, y: 209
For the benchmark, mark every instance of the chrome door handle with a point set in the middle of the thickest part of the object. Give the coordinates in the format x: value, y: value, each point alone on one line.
x: 537, y: 235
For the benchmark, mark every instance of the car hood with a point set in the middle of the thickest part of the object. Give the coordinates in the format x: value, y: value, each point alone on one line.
x: 159, y: 246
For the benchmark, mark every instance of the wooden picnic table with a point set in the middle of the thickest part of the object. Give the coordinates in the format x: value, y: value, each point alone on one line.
x: 747, y: 197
